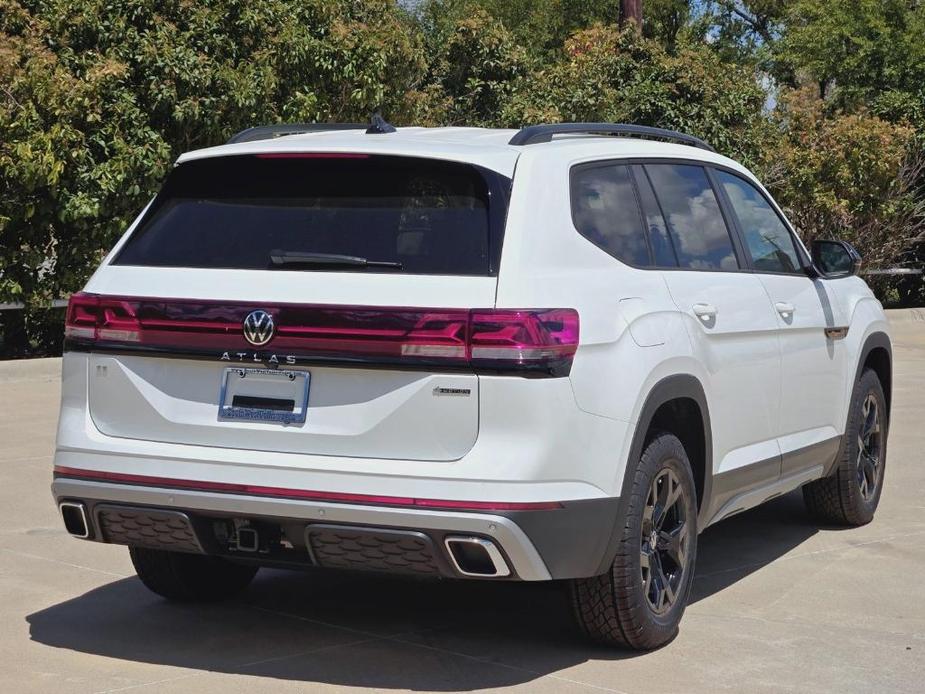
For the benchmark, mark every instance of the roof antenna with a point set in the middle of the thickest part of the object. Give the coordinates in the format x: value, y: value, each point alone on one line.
x: 379, y: 125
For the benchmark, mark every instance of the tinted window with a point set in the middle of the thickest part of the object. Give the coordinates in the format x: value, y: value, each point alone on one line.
x: 605, y: 211
x: 695, y: 222
x: 767, y: 239
x: 659, y: 239
x: 432, y: 217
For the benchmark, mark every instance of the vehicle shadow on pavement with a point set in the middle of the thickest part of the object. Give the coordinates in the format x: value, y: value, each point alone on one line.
x: 374, y: 631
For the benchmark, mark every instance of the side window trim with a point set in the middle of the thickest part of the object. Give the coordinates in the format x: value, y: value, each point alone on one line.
x: 642, y: 215
x: 726, y: 203
x: 732, y: 221
x: 637, y: 171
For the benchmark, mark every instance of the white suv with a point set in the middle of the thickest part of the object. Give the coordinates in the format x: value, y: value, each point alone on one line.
x: 553, y: 353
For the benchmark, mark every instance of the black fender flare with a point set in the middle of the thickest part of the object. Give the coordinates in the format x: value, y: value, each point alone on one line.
x: 873, y: 341
x: 670, y: 388
x: 877, y: 340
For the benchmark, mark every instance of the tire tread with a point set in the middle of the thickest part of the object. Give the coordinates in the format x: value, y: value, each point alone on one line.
x: 609, y: 608
x: 836, y: 499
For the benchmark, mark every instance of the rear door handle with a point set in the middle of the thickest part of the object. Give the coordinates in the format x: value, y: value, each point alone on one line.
x: 705, y: 312
x: 785, y: 309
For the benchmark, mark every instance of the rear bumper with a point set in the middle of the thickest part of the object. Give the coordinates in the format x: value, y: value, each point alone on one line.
x: 542, y: 544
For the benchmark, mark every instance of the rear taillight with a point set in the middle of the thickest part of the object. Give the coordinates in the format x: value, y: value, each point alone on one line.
x: 542, y: 341
x: 101, y: 318
x: 503, y: 338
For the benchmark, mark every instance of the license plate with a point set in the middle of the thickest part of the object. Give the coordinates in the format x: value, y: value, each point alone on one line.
x: 264, y: 395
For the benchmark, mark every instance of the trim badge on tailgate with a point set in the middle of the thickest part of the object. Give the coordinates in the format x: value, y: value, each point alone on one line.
x: 452, y: 391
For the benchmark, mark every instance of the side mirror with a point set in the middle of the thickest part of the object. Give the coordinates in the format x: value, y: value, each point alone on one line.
x: 833, y: 259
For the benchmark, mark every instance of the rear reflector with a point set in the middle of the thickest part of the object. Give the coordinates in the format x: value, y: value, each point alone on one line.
x: 309, y: 495
x: 542, y: 341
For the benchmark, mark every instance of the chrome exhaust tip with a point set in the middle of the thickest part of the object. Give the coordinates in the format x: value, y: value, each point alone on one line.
x: 74, y: 515
x: 477, y: 557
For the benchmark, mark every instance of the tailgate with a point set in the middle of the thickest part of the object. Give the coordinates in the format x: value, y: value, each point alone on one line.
x: 309, y: 263
x: 351, y: 412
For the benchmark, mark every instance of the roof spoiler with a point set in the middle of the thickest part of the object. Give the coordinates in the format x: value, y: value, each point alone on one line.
x: 544, y: 133
x: 268, y: 132
x: 377, y: 126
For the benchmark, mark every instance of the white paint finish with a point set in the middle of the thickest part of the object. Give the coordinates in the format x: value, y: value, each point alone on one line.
x: 751, y: 454
x: 814, y: 367
x: 646, y: 327
x: 412, y: 142
x: 523, y: 439
x: 738, y: 347
x: 299, y: 287
x: 534, y: 444
x: 351, y: 412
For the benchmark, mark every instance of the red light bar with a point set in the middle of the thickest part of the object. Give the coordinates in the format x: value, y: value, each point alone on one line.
x: 308, y: 495
x: 542, y: 341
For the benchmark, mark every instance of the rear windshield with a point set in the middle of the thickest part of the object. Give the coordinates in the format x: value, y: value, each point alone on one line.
x: 316, y: 212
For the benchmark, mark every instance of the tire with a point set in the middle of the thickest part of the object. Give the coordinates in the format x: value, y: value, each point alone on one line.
x: 190, y: 577
x: 624, y: 607
x: 850, y: 494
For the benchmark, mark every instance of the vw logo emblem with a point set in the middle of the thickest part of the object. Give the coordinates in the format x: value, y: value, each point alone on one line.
x: 258, y: 328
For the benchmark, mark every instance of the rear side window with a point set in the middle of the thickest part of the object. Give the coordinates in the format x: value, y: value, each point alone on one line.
x: 697, y: 228
x: 324, y: 212
x: 605, y: 211
x: 767, y: 239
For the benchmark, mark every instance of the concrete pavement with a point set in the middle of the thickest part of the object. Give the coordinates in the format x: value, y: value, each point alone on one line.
x: 779, y: 604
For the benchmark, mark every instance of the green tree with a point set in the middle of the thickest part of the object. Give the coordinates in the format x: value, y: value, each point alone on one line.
x: 99, y: 97
x: 475, y: 69
x: 848, y: 176
x: 863, y: 49
x: 539, y: 26
x: 618, y: 76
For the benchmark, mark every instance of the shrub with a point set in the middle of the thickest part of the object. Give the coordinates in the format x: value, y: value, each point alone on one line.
x: 618, y: 76
x: 848, y: 176
x: 99, y: 97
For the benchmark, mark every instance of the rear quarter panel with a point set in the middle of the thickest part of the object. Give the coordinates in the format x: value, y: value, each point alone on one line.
x: 631, y: 333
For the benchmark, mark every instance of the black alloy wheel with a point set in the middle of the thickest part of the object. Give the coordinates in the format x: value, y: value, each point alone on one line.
x: 664, y: 541
x: 870, y: 440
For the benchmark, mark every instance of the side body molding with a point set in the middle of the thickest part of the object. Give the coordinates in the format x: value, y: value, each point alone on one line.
x: 678, y: 386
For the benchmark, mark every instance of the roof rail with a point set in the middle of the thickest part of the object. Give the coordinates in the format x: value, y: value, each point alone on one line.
x: 544, y: 133
x: 266, y: 132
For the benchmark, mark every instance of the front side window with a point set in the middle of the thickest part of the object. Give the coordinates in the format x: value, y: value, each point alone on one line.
x: 766, y: 237
x: 701, y: 239
x: 605, y: 211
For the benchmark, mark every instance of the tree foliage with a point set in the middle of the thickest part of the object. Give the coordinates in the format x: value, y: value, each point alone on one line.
x: 97, y: 98
x: 617, y: 76
x: 847, y: 176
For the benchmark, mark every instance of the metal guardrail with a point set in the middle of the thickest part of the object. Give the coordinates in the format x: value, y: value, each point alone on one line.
x: 894, y: 272
x: 19, y: 306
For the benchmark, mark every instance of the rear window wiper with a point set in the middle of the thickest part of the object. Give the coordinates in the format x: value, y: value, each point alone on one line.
x: 286, y: 259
